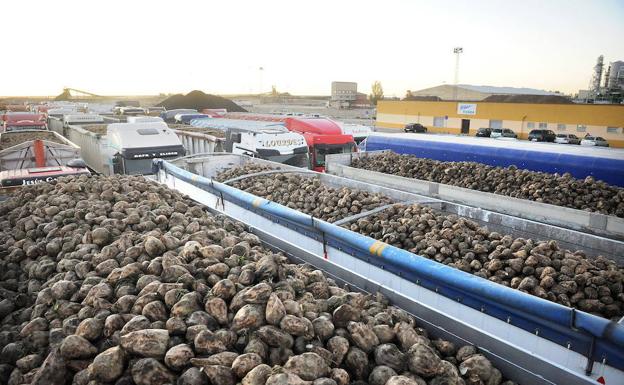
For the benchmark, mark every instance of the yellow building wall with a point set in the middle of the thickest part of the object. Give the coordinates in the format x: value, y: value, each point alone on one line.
x: 516, y: 116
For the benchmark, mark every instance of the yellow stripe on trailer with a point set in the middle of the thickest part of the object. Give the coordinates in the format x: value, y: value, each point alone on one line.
x: 377, y: 247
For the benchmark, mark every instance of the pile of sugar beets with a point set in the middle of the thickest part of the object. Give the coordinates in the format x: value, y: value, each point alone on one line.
x: 541, y: 268
x: 118, y: 280
x: 561, y: 190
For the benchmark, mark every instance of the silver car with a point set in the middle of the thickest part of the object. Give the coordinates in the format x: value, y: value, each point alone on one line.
x: 567, y: 139
x: 594, y: 141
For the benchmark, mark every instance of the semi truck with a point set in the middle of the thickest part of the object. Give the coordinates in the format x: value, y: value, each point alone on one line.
x: 23, y: 121
x: 35, y: 156
x: 110, y: 147
x: 531, y: 340
x: 185, y: 118
x: 134, y: 145
x: 323, y: 136
x: 359, y: 131
x: 265, y: 140
x: 169, y: 116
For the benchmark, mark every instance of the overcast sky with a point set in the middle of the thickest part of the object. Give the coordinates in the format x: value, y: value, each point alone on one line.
x: 146, y: 47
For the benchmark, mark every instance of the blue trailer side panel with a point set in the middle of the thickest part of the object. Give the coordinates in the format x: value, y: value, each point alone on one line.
x: 544, y: 159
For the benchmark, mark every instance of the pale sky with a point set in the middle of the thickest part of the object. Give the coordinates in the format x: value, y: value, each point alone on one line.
x: 146, y: 47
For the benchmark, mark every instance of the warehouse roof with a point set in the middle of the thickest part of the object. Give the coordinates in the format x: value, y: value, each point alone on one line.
x: 505, y: 90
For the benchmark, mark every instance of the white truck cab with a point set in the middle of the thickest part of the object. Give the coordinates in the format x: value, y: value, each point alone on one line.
x: 134, y: 145
x: 358, y: 131
x: 80, y: 119
x: 144, y: 119
x: 260, y: 139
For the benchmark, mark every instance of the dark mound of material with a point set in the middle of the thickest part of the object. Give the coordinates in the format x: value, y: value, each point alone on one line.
x: 543, y: 99
x: 199, y: 100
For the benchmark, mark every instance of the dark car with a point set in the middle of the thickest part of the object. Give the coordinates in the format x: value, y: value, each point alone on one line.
x: 415, y: 127
x: 484, y: 132
x: 542, y: 136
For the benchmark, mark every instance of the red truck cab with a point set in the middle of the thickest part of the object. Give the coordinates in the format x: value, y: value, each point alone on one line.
x: 15, y: 122
x: 323, y: 136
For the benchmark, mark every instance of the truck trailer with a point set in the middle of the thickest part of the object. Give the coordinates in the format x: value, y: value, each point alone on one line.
x: 265, y: 140
x: 23, y: 121
x: 606, y: 164
x: 531, y: 340
x: 35, y: 156
x: 323, y: 136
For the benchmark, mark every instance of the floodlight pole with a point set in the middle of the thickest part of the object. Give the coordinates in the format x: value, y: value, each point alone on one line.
x: 456, y: 51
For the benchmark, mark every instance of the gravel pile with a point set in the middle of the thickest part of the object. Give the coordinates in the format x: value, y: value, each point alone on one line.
x: 118, y: 280
x: 560, y: 190
x: 199, y: 100
x: 10, y: 139
x: 540, y: 268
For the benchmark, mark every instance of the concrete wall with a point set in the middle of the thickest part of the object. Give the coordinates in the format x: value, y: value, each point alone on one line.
x: 516, y: 116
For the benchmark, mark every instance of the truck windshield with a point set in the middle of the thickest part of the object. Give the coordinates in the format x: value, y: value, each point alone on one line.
x: 320, y: 151
x: 17, y: 128
x: 297, y: 160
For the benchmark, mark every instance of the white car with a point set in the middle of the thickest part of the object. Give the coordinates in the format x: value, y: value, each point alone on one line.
x: 594, y: 141
x: 567, y: 139
x: 502, y: 133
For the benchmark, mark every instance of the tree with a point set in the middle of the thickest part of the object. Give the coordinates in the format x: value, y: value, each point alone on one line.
x: 376, y: 92
x: 408, y: 94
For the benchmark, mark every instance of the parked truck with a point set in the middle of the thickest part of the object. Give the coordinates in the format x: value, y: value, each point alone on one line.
x: 23, y: 121
x: 323, y: 136
x: 531, y: 340
x: 169, y: 116
x: 112, y: 147
x: 265, y: 140
x: 35, y: 156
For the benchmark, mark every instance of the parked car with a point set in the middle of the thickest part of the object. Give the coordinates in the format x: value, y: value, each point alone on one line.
x: 415, y: 127
x: 567, y: 139
x: 594, y: 141
x: 542, y: 136
x: 503, y: 133
x: 484, y: 132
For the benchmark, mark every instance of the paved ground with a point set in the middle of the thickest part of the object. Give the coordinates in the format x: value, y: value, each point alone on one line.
x: 360, y: 116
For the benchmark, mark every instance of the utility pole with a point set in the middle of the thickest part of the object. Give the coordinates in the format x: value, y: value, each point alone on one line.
x: 260, y: 73
x: 456, y: 51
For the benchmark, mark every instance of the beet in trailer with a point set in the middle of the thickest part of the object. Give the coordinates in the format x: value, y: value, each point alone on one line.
x: 532, y: 341
x: 608, y: 226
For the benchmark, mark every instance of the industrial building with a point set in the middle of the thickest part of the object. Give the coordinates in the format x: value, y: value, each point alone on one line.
x: 343, y: 91
x: 612, y: 91
x: 343, y: 94
x: 606, y: 120
x: 467, y: 92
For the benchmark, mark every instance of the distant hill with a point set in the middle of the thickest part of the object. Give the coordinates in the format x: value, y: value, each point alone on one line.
x: 198, y: 100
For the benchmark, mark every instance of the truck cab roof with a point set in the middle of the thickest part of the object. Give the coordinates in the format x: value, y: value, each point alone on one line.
x: 144, y: 140
x: 83, y: 119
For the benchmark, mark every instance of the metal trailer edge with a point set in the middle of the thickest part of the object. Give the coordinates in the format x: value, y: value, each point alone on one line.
x: 531, y: 340
x: 596, y: 223
x: 199, y: 143
x: 22, y: 156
